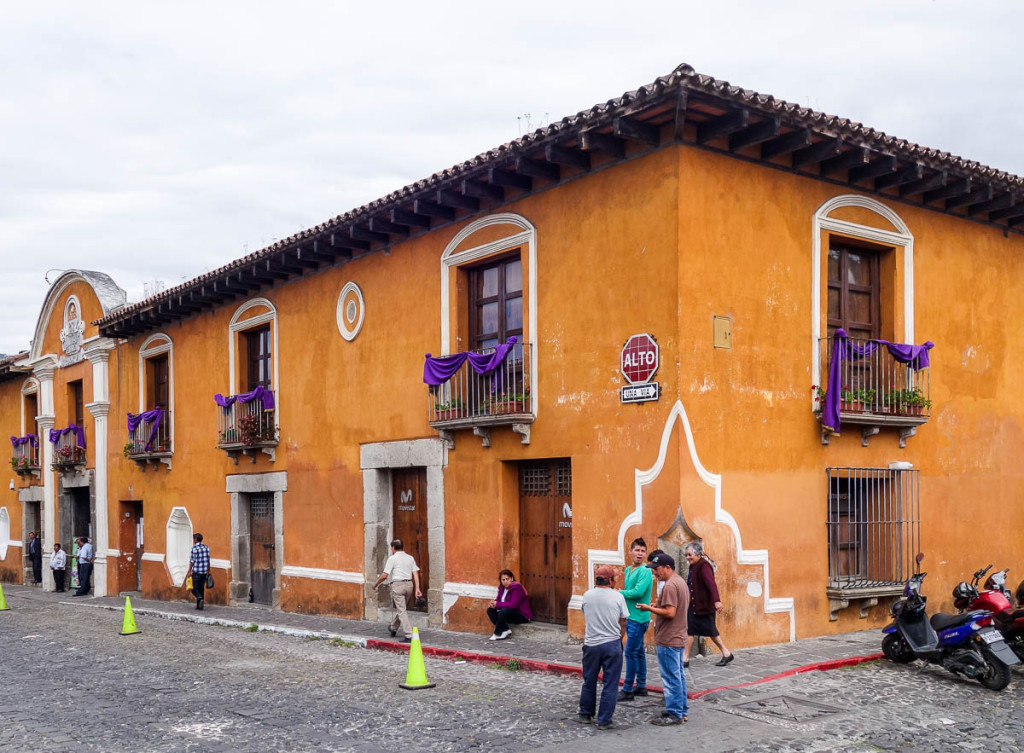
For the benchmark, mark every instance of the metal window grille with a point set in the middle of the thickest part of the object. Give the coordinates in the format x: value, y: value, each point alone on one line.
x: 874, y: 526
x: 563, y: 479
x: 534, y: 479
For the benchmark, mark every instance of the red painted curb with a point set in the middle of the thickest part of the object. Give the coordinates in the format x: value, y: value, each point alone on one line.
x: 535, y: 665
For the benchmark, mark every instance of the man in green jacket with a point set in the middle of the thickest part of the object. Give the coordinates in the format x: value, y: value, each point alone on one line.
x: 638, y: 589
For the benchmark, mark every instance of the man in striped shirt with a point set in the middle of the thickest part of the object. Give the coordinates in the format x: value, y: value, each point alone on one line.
x: 199, y: 568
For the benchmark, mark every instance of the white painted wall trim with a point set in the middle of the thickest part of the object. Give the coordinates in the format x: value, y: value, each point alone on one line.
x: 256, y: 483
x: 29, y: 387
x: 153, y: 556
x: 901, y: 237
x: 452, y: 591
x: 113, y: 552
x: 451, y: 257
x: 643, y: 478
x: 5, y: 532
x: 316, y: 573
x: 220, y: 564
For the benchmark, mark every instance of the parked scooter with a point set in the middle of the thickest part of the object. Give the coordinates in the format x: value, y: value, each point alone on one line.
x: 964, y: 644
x: 995, y: 599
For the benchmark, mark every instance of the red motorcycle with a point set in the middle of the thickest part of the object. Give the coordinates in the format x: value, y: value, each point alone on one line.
x: 995, y: 599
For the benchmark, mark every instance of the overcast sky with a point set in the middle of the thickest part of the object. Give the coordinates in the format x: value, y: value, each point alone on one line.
x: 160, y: 141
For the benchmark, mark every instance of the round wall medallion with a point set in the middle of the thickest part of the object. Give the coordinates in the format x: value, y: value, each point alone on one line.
x: 351, y: 311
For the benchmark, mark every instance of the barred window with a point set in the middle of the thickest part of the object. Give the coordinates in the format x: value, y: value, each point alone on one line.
x: 874, y: 527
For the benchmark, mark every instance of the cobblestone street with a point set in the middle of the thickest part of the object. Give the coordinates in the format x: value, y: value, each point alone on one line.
x: 181, y: 686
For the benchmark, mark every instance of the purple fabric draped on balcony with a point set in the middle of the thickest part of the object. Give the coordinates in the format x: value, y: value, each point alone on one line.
x: 914, y: 356
x: 260, y: 393
x: 154, y: 417
x: 439, y: 370
x: 78, y: 431
x: 19, y: 441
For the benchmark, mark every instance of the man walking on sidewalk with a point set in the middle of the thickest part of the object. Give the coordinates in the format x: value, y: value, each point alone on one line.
x: 605, y: 612
x: 199, y: 568
x: 636, y: 588
x: 405, y: 580
x: 670, y: 635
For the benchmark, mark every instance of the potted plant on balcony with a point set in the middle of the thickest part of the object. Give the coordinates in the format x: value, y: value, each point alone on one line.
x: 20, y: 464
x: 255, y: 429
x: 453, y: 409
x: 908, y: 402
x: 67, y: 457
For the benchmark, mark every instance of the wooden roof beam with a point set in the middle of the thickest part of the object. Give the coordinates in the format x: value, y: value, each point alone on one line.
x: 592, y: 141
x: 978, y: 195
x: 536, y: 168
x: 722, y: 125
x: 927, y: 183
x: 455, y: 200
x: 856, y: 157
x: 755, y: 134
x: 817, y: 152
x: 1001, y: 202
x: 635, y: 130
x: 358, y: 233
x: 409, y: 219
x: 956, y: 188
x: 786, y: 143
x: 509, y: 179
x: 322, y: 248
x: 480, y: 190
x: 565, y: 156
x: 905, y: 175
x: 881, y: 166
x: 430, y: 209
x: 380, y: 225
x: 1014, y: 210
x: 346, y: 241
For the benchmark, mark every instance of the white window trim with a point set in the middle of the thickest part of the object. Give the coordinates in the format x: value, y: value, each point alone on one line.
x: 456, y: 258
x: 900, y: 237
x: 241, y: 325
x: 29, y: 387
x: 156, y: 345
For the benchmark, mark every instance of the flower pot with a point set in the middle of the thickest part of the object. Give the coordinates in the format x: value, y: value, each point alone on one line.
x: 852, y: 406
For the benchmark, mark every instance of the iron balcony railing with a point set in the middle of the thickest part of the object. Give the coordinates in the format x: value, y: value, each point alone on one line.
x: 25, y: 457
x: 877, y: 385
x: 874, y: 527
x: 138, y: 438
x: 469, y: 397
x: 67, y: 453
x: 242, y: 425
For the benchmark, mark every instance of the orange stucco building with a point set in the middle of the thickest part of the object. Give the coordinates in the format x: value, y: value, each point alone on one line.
x: 736, y: 231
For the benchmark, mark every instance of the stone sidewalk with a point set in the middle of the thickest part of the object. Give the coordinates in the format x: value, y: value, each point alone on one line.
x: 752, y: 665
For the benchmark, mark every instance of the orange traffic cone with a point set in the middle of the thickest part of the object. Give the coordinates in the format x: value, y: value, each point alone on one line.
x: 416, y: 677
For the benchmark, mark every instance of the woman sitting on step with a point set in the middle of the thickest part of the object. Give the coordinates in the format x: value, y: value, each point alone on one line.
x: 511, y: 606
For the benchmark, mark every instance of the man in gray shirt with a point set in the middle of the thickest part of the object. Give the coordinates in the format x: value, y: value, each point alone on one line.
x: 605, y: 611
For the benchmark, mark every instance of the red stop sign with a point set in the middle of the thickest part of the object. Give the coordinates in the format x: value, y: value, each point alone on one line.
x: 639, y: 359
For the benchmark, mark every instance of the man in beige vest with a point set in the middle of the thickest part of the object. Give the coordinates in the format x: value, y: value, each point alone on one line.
x: 405, y: 580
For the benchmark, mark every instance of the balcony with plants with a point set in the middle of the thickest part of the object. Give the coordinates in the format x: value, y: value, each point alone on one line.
x: 873, y: 384
x: 68, y: 449
x: 247, y: 424
x: 25, y: 455
x: 149, y: 438
x: 481, y: 390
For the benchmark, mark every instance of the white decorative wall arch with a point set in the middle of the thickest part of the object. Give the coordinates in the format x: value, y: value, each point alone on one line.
x: 5, y: 532
x: 179, y: 544
x: 107, y: 292
x: 901, y: 236
x: 451, y: 257
x: 643, y: 478
x: 238, y: 324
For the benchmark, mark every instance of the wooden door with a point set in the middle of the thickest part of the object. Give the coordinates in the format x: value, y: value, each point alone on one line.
x: 545, y: 537
x: 262, y: 548
x: 409, y: 521
x: 128, y: 564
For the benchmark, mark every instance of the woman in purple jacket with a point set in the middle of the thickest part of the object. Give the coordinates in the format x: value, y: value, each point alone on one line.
x: 511, y: 606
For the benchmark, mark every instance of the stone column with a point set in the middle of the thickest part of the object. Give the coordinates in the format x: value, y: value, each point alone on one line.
x: 98, y: 353
x: 43, y: 370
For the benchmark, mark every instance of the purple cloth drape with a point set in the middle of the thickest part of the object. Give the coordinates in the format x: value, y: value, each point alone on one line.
x: 260, y: 393
x: 78, y: 431
x: 439, y: 370
x: 19, y: 441
x: 154, y: 417
x: 914, y: 356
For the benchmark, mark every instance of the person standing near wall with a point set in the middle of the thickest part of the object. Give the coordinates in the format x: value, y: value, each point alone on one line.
x: 705, y: 602
x: 636, y: 588
x: 58, y: 564
x: 35, y: 555
x: 85, y: 557
x: 199, y: 568
x: 670, y: 635
x: 605, y: 612
x: 405, y: 581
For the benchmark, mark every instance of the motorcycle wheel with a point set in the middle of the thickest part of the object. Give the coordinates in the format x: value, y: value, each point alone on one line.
x: 896, y: 649
x: 997, y: 674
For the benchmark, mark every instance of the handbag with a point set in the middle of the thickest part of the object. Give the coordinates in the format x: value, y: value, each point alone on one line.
x: 209, y: 580
x: 188, y: 583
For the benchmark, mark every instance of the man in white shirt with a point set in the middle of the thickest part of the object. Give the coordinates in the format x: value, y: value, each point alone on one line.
x: 85, y: 557
x: 605, y: 611
x: 58, y: 563
x: 405, y: 580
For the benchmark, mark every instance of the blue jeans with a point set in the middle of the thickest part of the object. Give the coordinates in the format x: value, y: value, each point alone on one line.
x: 635, y: 655
x: 606, y: 657
x: 673, y: 682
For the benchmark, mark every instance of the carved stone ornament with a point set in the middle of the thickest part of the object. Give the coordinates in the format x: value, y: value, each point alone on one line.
x: 71, y: 334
